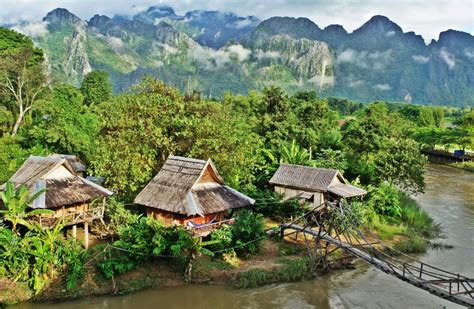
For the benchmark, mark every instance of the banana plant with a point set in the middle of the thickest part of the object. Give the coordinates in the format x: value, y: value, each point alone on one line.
x: 16, y: 203
x: 14, y: 262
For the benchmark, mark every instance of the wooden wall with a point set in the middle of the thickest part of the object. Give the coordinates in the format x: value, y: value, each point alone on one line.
x: 289, y: 193
x: 169, y: 218
x: 65, y: 210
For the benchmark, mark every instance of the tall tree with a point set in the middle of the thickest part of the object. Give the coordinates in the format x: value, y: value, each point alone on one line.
x: 64, y: 124
x: 401, y: 163
x: 96, y: 87
x: 22, y: 77
x: 438, y: 115
x: 276, y: 117
x: 139, y: 131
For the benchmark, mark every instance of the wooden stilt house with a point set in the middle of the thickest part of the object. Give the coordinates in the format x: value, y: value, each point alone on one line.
x: 75, y: 162
x: 71, y: 197
x: 190, y: 192
x: 315, y: 185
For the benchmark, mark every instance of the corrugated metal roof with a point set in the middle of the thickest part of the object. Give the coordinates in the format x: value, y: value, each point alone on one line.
x: 314, y: 179
x: 175, y: 189
x: 304, y: 177
x: 345, y: 190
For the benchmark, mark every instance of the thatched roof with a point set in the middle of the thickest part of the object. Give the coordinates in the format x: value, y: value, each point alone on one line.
x: 190, y: 187
x: 57, y: 176
x: 314, y: 179
x: 76, y: 163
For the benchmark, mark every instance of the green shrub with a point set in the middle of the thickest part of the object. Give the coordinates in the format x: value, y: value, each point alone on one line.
x: 221, y: 238
x: 246, y: 230
x: 416, y: 218
x: 74, y: 258
x: 294, y: 270
x: 143, y: 240
x: 117, y: 215
x: 384, y: 200
x: 412, y: 245
x: 252, y: 278
x: 35, y: 256
x: 270, y: 204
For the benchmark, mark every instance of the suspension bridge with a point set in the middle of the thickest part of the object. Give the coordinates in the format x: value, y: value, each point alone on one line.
x: 333, y: 226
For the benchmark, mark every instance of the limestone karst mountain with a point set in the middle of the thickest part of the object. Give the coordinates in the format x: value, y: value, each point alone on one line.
x: 213, y: 52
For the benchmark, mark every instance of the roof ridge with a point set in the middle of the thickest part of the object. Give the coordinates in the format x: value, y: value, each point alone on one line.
x: 186, y: 159
x: 41, y: 158
x: 311, y: 167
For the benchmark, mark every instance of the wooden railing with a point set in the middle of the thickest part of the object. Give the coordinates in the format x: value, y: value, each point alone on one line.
x: 72, y: 218
x: 205, y: 229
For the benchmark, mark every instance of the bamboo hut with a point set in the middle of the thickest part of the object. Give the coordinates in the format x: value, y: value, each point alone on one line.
x: 190, y: 192
x: 75, y: 162
x: 72, y: 198
x: 315, y: 185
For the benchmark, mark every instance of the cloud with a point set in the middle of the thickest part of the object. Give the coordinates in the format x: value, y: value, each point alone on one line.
x: 469, y: 53
x: 238, y: 50
x: 348, y: 55
x: 114, y: 42
x: 420, y: 59
x: 242, y: 23
x: 33, y: 30
x: 383, y: 87
x: 322, y: 81
x: 212, y: 59
x: 354, y: 83
x: 167, y: 48
x: 260, y: 54
x: 448, y: 58
x: 364, y: 59
x: 390, y: 33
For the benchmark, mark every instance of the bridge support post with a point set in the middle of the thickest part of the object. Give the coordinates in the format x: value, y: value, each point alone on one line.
x: 86, y: 235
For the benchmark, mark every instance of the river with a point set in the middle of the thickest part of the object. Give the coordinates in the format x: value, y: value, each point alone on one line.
x: 449, y: 198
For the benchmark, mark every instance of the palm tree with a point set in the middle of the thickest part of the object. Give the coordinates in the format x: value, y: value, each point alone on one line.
x: 16, y: 204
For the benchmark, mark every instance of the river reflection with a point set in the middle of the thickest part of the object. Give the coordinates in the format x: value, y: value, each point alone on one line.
x: 449, y: 198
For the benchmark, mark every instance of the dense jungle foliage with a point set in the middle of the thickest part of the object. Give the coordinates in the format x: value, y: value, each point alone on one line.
x: 125, y: 138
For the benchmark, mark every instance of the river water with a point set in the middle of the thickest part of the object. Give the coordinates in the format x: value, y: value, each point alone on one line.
x: 449, y: 198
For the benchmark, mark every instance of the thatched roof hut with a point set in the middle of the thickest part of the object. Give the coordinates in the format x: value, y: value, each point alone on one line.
x: 293, y: 180
x: 57, y: 176
x: 76, y: 163
x: 186, y: 189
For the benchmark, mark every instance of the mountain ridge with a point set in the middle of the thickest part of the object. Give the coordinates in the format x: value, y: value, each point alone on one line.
x: 212, y: 51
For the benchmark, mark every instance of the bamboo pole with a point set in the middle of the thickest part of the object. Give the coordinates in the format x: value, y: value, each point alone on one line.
x: 86, y: 235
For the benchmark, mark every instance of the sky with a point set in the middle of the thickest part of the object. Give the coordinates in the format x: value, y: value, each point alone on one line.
x: 428, y: 17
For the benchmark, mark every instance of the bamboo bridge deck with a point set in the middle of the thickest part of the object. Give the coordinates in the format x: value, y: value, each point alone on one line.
x: 350, y: 238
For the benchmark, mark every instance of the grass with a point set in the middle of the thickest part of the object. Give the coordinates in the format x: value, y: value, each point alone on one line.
x: 414, y: 225
x: 13, y: 292
x: 416, y: 219
x: 290, y: 270
x: 285, y: 249
x: 253, y: 278
x: 466, y: 165
x: 412, y: 245
x: 206, y: 263
x: 386, y: 230
x: 294, y: 270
